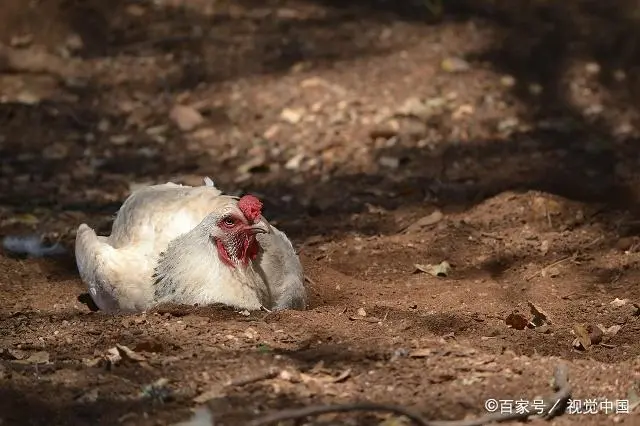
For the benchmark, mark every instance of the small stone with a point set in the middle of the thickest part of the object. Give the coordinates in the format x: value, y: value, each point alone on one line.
x: 294, y: 162
x: 271, y: 132
x: 119, y: 139
x: 21, y: 40
x: 156, y: 130
x: 292, y: 116
x: 103, y: 125
x: 595, y: 109
x: 508, y: 124
x: 619, y: 75
x: 535, y: 89
x: 74, y: 42
x: 27, y: 97
x: 390, y: 162
x: 508, y: 81
x: 186, y: 118
x: 544, y: 247
x: 592, y: 68
x: 455, y: 64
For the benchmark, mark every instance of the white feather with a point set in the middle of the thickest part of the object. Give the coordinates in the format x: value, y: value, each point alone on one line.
x: 160, y: 250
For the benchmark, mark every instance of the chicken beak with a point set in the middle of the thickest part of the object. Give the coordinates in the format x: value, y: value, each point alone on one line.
x: 260, y: 227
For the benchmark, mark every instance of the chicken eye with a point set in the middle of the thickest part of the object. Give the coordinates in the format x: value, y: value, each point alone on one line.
x: 228, y: 221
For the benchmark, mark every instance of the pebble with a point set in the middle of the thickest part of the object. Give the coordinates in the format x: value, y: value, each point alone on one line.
x: 455, y: 64
x: 186, y: 118
x: 291, y: 115
x: 390, y: 162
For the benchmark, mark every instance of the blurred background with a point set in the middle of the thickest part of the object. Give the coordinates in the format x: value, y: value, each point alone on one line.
x: 321, y: 106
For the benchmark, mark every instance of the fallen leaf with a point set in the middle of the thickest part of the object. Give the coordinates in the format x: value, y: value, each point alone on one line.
x: 429, y: 220
x: 583, y: 338
x: 609, y: 332
x: 454, y: 64
x: 420, y: 353
x: 113, y: 356
x: 440, y: 270
x: 127, y: 353
x: 41, y: 357
x: 539, y: 317
x: 291, y: 115
x: 517, y: 321
x: 186, y: 118
x: 325, y: 378
x: 619, y: 302
x: 389, y: 162
x: 342, y: 376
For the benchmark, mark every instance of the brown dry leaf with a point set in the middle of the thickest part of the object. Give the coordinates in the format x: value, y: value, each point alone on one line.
x: 41, y: 357
x: 619, y: 302
x: 186, y: 117
x: 539, y: 317
x: 425, y: 221
x: 440, y: 270
x: 113, y: 356
x: 420, y: 353
x: 325, y: 378
x: 583, y: 337
x: 608, y: 333
x: 517, y: 321
x: 342, y: 376
x: 128, y: 353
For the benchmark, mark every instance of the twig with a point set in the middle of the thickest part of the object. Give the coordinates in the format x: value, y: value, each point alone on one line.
x: 564, y: 259
x: 552, y: 406
x: 316, y: 410
x: 312, y: 282
x: 270, y: 374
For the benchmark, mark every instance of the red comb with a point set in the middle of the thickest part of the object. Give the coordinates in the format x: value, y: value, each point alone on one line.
x: 250, y: 206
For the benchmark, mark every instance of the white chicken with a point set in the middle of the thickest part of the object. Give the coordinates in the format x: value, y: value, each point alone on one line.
x: 190, y: 245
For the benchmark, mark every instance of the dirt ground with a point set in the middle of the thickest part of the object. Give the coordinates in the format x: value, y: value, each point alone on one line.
x: 497, y: 137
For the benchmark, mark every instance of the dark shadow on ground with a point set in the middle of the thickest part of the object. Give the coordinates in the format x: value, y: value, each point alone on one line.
x: 534, y: 41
